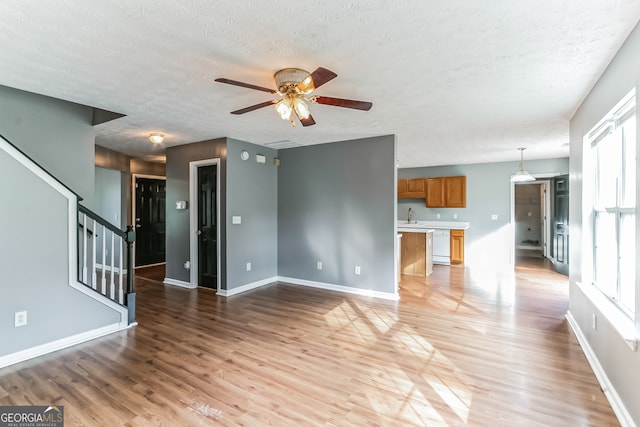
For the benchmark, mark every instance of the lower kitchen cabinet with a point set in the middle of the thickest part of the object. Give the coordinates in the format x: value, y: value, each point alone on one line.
x: 416, y: 253
x: 457, y: 246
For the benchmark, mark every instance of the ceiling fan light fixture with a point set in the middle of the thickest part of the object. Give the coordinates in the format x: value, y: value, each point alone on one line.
x: 289, y: 77
x: 283, y: 108
x: 306, y: 86
x: 302, y: 110
x: 156, y: 137
x: 522, y: 175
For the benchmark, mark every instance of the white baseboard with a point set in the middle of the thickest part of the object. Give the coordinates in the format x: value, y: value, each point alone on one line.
x: 609, y: 391
x: 339, y: 288
x: 175, y: 282
x: 247, y: 287
x: 30, y: 353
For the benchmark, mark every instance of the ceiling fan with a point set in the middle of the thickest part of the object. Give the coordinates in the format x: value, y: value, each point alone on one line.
x: 294, y: 88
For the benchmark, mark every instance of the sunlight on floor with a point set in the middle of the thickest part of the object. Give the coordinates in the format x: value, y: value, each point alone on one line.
x: 421, y: 394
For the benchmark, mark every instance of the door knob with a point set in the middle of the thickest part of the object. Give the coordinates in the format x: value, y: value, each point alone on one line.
x: 199, y: 232
x: 138, y: 226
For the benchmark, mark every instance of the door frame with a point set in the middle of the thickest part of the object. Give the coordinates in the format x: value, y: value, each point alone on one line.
x: 545, y: 180
x: 134, y: 176
x: 193, y: 219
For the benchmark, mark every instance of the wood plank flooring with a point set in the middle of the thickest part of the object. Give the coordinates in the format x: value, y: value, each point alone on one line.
x: 459, y: 348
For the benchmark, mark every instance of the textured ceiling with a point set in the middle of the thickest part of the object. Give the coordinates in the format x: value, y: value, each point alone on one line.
x: 460, y: 81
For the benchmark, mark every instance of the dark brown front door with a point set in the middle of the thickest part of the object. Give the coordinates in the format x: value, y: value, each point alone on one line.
x: 150, y: 221
x: 207, y: 227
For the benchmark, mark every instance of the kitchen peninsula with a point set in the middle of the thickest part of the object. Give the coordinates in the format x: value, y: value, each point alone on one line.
x: 443, y: 244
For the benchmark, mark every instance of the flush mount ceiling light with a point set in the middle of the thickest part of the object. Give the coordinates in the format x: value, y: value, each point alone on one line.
x: 522, y: 175
x: 294, y: 88
x: 156, y: 138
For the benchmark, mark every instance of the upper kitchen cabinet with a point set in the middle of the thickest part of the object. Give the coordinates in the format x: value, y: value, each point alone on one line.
x: 411, y: 188
x: 447, y: 192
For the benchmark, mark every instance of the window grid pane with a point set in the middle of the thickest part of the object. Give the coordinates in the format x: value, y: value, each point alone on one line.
x: 628, y: 261
x: 606, y: 253
x: 628, y: 196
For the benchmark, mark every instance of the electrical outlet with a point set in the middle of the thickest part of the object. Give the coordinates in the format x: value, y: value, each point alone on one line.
x: 594, y: 321
x: 20, y: 318
x: 248, y: 266
x: 438, y: 216
x: 319, y: 265
x: 357, y: 269
x: 494, y: 217
x: 455, y: 216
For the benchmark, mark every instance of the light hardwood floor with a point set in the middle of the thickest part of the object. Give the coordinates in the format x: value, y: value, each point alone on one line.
x: 459, y: 348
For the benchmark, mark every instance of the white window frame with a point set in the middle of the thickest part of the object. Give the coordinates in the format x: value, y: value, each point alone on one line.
x: 621, y: 317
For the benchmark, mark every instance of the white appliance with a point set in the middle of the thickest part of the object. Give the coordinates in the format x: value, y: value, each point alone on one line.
x: 441, y: 247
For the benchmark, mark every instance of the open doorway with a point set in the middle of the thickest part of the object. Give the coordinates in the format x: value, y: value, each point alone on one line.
x: 531, y: 211
x: 540, y: 218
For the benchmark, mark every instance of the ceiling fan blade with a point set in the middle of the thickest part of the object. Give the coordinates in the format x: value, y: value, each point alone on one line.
x: 321, y: 76
x: 254, y: 107
x: 308, y: 121
x: 346, y: 103
x: 247, y: 85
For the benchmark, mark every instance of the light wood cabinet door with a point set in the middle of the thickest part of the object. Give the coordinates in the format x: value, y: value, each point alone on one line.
x: 403, y: 188
x: 411, y: 188
x: 413, y: 254
x: 457, y: 246
x: 447, y: 192
x: 455, y: 191
x: 435, y: 193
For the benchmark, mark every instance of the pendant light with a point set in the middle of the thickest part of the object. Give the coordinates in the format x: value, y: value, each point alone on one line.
x: 522, y: 175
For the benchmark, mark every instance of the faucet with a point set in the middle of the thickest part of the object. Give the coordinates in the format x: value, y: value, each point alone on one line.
x: 410, y: 215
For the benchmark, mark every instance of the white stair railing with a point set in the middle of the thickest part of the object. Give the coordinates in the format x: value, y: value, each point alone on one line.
x: 115, y: 281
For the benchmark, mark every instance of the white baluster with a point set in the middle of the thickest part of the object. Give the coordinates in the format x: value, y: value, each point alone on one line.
x: 104, y: 261
x: 113, y: 270
x: 94, y: 276
x: 84, y: 248
x: 120, y: 289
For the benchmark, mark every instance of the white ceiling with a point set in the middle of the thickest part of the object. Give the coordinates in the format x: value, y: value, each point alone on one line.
x: 460, y: 81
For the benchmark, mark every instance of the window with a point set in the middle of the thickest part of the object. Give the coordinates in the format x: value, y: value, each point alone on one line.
x: 613, y: 169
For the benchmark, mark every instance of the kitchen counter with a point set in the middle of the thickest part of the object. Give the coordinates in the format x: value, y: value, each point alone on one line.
x: 424, y: 226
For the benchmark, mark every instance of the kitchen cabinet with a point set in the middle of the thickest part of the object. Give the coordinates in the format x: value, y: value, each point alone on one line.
x: 446, y: 192
x: 457, y: 246
x: 411, y: 188
x: 416, y: 253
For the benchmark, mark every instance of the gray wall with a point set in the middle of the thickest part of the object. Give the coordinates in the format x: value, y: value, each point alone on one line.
x: 252, y: 194
x: 108, y: 200
x: 487, y: 242
x: 34, y: 260
x: 56, y: 134
x: 177, y: 226
x: 336, y: 205
x: 618, y: 360
x: 108, y: 195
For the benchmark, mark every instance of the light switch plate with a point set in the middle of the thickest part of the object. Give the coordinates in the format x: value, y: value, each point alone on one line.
x: 236, y: 219
x: 20, y: 318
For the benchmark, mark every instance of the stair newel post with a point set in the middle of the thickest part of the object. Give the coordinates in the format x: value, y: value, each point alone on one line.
x: 130, y: 237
